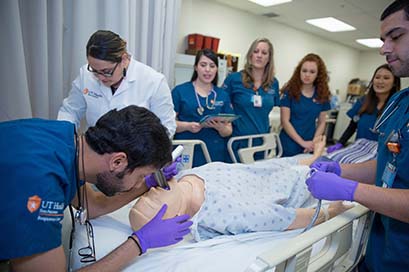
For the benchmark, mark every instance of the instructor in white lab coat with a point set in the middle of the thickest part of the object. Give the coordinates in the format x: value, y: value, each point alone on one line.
x: 111, y: 79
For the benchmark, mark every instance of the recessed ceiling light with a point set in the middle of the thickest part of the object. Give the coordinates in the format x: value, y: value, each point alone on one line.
x: 372, y: 43
x: 330, y: 24
x: 267, y: 3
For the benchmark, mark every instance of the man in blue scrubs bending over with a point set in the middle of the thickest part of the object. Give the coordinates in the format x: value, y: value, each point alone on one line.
x: 388, y: 246
x: 45, y: 166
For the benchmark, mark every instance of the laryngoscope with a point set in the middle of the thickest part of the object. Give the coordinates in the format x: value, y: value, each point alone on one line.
x: 159, y: 176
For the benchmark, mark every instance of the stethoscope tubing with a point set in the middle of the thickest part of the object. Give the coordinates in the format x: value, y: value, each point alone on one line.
x: 317, y: 210
x: 210, y: 107
x: 383, y: 118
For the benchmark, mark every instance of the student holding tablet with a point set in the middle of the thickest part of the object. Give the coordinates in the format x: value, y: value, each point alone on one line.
x: 200, y: 98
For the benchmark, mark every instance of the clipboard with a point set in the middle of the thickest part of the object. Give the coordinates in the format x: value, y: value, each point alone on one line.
x: 223, y: 117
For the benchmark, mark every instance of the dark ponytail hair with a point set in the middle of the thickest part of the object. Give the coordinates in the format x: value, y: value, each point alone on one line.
x: 106, y: 45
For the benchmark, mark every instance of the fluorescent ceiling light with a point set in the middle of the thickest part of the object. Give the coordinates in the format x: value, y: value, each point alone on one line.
x: 267, y: 3
x: 330, y: 24
x: 372, y: 43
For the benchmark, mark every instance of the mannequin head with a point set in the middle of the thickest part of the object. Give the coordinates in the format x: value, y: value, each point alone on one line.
x: 184, y: 197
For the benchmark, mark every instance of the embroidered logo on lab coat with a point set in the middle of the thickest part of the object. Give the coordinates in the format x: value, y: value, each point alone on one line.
x: 33, y: 203
x: 91, y: 93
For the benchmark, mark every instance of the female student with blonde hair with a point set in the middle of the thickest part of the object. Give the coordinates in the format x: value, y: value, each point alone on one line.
x: 254, y: 92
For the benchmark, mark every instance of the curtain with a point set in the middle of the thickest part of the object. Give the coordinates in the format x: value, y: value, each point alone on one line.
x: 43, y: 46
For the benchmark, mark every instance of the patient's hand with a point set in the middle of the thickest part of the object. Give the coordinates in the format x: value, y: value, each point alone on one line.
x: 319, y: 144
x: 338, y: 207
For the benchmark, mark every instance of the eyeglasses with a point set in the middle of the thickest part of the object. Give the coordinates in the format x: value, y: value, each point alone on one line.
x: 87, y: 253
x: 105, y: 74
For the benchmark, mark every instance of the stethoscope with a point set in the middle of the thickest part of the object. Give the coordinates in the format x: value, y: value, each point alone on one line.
x: 386, y: 115
x: 200, y: 109
x: 87, y: 253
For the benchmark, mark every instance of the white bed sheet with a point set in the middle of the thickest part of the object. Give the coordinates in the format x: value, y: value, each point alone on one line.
x: 223, y: 253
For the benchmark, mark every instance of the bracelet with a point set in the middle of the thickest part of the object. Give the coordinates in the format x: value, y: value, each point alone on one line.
x: 326, y: 213
x: 136, y: 242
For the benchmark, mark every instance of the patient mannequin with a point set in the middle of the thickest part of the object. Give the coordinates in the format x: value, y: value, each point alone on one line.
x: 226, y: 199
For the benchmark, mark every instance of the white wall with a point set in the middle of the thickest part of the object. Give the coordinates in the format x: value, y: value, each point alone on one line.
x: 237, y: 29
x: 368, y: 63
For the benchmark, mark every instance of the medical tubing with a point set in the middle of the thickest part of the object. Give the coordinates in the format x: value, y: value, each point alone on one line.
x: 317, y: 210
x: 314, y: 217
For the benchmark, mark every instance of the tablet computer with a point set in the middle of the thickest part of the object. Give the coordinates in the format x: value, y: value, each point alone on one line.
x: 222, y: 117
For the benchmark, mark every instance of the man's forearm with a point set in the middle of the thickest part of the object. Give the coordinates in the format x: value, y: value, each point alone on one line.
x: 391, y: 202
x: 362, y: 172
x: 117, y: 259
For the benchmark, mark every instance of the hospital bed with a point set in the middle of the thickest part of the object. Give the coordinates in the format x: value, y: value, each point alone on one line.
x: 188, y: 151
x: 271, y: 147
x: 344, y: 238
x: 336, y: 245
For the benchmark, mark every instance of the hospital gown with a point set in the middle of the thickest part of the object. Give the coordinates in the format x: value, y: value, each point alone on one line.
x: 243, y: 198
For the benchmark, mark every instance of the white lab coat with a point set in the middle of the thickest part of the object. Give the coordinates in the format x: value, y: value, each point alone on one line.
x: 142, y: 86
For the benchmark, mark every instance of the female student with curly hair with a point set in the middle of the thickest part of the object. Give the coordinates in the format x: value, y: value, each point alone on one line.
x: 305, y: 97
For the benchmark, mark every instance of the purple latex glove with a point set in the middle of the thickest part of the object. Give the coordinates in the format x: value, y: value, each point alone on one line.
x: 334, y: 147
x: 169, y: 172
x: 327, y: 166
x: 329, y: 186
x: 150, y: 181
x: 172, y: 170
x: 159, y: 233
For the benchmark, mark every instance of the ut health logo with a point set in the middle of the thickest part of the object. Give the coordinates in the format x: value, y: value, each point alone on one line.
x: 33, y: 203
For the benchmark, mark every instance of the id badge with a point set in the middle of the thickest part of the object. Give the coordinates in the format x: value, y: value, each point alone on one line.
x: 257, y: 101
x: 389, y: 175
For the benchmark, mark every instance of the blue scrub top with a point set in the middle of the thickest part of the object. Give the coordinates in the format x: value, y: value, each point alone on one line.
x: 185, y: 105
x: 253, y: 120
x: 304, y: 113
x: 388, y: 246
x: 365, y: 121
x: 38, y: 174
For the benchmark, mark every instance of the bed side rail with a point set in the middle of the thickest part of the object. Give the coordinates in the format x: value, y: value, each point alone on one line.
x: 341, y: 252
x: 188, y: 151
x: 271, y: 147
